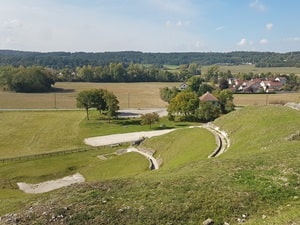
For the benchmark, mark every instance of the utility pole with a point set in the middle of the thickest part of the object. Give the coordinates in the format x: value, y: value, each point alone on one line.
x: 54, y: 100
x: 128, y: 98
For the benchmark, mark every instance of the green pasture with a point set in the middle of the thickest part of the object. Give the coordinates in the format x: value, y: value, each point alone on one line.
x: 176, y: 149
x: 269, y: 126
x: 258, y: 175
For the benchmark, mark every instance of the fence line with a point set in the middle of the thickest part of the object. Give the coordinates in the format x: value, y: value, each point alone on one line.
x: 42, y: 155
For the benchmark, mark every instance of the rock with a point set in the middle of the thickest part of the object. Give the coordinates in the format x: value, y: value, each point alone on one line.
x: 264, y: 217
x: 208, y: 222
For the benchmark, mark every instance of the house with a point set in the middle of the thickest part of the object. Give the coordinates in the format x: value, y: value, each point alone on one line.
x: 252, y: 86
x: 208, y: 97
x: 183, y: 86
x: 269, y: 86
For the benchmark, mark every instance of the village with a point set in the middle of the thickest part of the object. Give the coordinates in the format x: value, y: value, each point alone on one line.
x: 257, y: 85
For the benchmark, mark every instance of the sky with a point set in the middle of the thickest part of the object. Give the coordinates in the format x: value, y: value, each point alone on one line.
x: 150, y: 25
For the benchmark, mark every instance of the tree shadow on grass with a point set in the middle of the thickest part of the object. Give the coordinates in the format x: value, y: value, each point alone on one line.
x: 61, y: 90
x: 126, y: 122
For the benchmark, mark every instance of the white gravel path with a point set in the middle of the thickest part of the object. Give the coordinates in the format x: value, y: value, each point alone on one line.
x: 51, y: 185
x: 122, y: 138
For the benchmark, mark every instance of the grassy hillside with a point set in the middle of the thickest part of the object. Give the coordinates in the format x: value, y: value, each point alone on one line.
x: 258, y: 177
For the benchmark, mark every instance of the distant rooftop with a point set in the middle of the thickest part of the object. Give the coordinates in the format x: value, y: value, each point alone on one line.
x: 208, y: 97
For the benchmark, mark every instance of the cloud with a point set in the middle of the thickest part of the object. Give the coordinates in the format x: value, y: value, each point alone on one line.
x: 242, y: 42
x: 168, y: 23
x: 179, y: 23
x: 220, y: 28
x: 263, y: 41
x: 269, y: 26
x: 11, y: 24
x: 257, y: 5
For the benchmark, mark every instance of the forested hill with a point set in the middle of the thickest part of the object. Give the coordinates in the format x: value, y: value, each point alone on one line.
x: 59, y: 60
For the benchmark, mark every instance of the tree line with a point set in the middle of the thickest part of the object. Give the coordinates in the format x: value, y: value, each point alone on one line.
x: 120, y: 72
x: 31, y: 79
x: 39, y: 79
x: 61, y: 60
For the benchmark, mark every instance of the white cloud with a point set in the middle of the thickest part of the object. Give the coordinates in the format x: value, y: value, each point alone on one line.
x: 242, y: 42
x: 11, y: 24
x: 269, y: 26
x: 179, y: 24
x: 263, y: 41
x: 220, y: 28
x: 257, y: 5
x: 168, y: 23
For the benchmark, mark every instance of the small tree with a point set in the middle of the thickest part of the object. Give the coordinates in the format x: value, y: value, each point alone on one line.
x: 100, y: 99
x: 149, y: 118
x: 112, y: 104
x: 84, y: 101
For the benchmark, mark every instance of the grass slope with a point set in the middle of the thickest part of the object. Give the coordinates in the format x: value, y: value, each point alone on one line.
x: 182, y: 146
x: 259, y: 176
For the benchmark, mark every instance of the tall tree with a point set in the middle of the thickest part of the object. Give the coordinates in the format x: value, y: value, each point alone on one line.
x: 225, y: 98
x: 208, y: 111
x: 184, y: 103
x: 166, y: 94
x: 194, y: 83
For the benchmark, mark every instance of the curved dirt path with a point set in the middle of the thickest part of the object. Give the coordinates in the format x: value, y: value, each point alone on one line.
x: 153, y: 162
x: 222, y: 139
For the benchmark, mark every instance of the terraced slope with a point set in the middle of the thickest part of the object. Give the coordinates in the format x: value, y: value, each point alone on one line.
x: 257, y: 180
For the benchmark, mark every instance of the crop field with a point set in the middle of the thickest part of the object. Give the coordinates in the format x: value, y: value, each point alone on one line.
x: 130, y: 95
x: 255, y: 70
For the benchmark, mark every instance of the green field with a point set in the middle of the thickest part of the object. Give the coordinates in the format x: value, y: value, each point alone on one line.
x: 258, y: 176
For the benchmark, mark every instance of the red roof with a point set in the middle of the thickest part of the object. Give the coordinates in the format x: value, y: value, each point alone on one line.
x: 208, y: 97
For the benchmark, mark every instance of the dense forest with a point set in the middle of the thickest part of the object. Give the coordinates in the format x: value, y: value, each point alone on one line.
x: 60, y: 60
